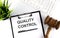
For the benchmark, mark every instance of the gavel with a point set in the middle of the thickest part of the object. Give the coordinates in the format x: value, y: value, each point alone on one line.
x: 52, y: 23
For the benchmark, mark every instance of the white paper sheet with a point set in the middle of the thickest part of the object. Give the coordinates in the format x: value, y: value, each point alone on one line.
x: 26, y: 26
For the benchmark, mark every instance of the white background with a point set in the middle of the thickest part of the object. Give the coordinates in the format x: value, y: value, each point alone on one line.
x: 19, y: 6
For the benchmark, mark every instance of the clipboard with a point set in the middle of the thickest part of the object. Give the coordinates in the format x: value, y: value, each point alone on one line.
x: 27, y: 25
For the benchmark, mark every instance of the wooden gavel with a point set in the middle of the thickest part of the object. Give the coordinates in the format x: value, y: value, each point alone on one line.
x: 52, y: 23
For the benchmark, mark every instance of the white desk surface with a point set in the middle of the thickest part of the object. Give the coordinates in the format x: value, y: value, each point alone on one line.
x: 20, y: 7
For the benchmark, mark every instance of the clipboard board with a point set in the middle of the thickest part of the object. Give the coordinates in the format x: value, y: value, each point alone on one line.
x: 27, y: 25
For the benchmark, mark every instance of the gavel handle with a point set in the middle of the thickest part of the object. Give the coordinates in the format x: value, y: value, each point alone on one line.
x: 48, y: 31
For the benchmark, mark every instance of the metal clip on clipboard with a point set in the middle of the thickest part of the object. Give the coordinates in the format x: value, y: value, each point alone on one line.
x: 19, y: 17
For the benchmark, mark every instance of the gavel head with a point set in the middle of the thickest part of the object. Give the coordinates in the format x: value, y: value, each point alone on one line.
x: 52, y: 22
